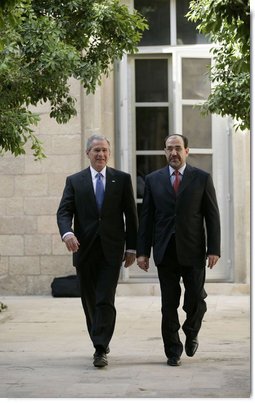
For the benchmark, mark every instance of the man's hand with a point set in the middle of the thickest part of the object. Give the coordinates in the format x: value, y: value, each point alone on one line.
x: 71, y: 242
x: 143, y: 262
x: 212, y: 260
x: 129, y: 259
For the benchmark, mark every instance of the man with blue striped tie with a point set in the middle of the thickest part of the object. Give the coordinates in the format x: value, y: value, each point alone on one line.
x: 97, y: 220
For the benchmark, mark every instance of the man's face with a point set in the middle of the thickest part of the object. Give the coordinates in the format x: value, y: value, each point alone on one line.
x: 176, y: 153
x: 99, y: 154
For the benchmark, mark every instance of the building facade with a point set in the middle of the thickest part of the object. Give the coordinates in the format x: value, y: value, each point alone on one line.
x: 147, y: 96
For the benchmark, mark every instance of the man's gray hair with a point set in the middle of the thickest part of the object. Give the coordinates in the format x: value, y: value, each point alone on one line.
x: 96, y: 137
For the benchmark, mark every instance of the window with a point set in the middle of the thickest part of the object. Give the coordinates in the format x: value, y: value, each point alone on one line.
x: 196, y: 88
x: 186, y: 30
x: 151, y: 115
x: 151, y: 80
x: 195, y: 83
x: 154, y: 96
x: 157, y: 13
x: 168, y: 24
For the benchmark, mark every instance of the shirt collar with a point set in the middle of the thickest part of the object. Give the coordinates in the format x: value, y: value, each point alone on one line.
x: 181, y: 170
x: 94, y: 172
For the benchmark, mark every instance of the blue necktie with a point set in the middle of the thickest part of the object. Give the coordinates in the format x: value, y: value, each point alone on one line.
x: 99, y: 191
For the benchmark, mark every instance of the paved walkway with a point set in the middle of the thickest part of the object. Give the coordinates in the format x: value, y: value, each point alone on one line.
x: 46, y: 353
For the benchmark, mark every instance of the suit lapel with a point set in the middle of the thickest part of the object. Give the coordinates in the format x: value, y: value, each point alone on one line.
x: 111, y: 183
x: 187, y: 178
x: 87, y: 186
x: 166, y: 180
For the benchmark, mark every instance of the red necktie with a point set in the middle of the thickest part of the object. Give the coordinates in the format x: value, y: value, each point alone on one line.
x: 176, y: 181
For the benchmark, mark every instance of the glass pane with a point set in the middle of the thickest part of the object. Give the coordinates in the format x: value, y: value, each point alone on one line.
x: 144, y: 165
x: 201, y: 161
x: 195, y: 80
x: 157, y: 13
x: 197, y: 128
x: 151, y: 82
x: 151, y: 127
x: 186, y: 30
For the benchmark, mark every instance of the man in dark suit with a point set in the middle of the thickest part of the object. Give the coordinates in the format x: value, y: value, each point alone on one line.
x: 99, y: 201
x: 179, y: 204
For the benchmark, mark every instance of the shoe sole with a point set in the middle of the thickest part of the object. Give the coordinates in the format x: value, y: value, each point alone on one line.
x: 100, y: 364
x: 174, y: 365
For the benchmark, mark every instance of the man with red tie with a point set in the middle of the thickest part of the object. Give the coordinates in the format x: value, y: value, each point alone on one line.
x: 180, y: 220
x: 97, y: 220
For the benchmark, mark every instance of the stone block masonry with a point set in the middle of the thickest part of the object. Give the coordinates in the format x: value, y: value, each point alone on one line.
x: 31, y: 251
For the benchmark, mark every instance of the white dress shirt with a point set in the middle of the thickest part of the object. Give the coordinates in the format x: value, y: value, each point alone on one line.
x: 172, y: 170
x: 94, y: 178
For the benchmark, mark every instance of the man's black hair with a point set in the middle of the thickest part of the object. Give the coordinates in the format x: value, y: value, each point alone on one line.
x: 184, y: 138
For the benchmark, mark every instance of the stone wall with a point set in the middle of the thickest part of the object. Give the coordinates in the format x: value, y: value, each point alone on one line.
x: 31, y: 251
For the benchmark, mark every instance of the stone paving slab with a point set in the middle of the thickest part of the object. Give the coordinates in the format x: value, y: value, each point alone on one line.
x: 46, y: 352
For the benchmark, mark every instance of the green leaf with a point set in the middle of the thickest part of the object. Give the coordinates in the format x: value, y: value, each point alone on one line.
x: 44, y: 43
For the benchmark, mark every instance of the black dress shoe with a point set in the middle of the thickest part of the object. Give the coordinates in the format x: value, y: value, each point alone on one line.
x: 191, y: 346
x: 174, y: 361
x: 100, y: 359
x: 100, y: 349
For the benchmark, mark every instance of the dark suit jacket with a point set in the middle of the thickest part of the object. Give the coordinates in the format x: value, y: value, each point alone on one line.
x: 78, y: 207
x: 187, y: 214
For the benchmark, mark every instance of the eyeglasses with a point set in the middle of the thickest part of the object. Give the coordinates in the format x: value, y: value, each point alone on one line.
x: 176, y: 148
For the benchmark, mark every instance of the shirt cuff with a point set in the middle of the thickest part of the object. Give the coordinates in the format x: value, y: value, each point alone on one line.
x: 65, y: 234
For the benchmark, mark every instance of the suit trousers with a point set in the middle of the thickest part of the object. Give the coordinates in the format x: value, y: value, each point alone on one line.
x: 170, y: 273
x: 98, y: 281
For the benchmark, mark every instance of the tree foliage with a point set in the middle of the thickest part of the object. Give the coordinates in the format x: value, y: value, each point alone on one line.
x: 44, y: 43
x: 227, y: 23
